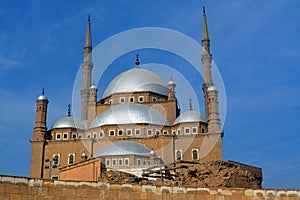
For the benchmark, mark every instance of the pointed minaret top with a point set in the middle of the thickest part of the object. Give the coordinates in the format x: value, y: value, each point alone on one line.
x: 69, y: 110
x: 88, y: 37
x: 137, y: 61
x: 191, y: 107
x: 204, y: 28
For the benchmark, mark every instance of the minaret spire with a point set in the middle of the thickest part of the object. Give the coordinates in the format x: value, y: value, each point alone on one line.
x: 205, y: 37
x: 206, y: 57
x: 87, y: 66
x: 88, y: 38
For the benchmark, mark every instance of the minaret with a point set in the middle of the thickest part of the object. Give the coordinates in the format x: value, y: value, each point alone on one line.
x: 210, y: 91
x: 92, y: 104
x: 171, y: 90
x: 214, y: 132
x: 40, y: 126
x: 38, y: 140
x: 87, y: 66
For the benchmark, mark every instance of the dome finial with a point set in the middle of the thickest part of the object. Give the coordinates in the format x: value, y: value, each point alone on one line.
x: 203, y: 10
x: 191, y: 107
x: 43, y: 91
x: 89, y: 18
x: 69, y: 110
x: 137, y: 62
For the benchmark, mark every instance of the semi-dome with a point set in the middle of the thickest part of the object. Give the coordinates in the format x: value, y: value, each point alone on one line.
x: 68, y: 122
x: 190, y: 116
x: 123, y: 147
x: 136, y: 80
x: 130, y: 113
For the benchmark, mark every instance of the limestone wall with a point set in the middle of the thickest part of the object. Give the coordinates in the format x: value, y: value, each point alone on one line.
x: 19, y: 188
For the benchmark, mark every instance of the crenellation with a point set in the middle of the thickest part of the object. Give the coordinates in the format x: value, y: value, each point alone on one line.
x: 147, y: 188
x: 165, y: 188
x: 259, y: 193
x: 292, y: 193
x: 15, y: 188
x: 179, y: 190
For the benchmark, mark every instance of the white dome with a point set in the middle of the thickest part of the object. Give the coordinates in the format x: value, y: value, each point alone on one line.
x: 211, y: 88
x: 136, y: 80
x: 68, y: 122
x: 123, y: 147
x: 129, y: 113
x: 42, y: 97
x: 190, y: 116
x: 93, y: 87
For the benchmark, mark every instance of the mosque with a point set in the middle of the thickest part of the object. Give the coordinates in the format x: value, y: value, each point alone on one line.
x: 135, y: 125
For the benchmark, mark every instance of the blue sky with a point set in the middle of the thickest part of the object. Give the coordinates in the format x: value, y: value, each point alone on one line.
x: 255, y: 45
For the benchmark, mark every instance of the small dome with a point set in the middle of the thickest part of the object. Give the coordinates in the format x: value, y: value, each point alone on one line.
x: 171, y: 82
x: 136, y: 80
x: 42, y: 97
x: 211, y: 88
x: 93, y: 87
x: 68, y: 122
x: 123, y: 147
x: 129, y: 113
x: 190, y: 116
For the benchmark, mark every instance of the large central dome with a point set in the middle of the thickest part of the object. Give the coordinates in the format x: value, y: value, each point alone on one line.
x: 136, y: 80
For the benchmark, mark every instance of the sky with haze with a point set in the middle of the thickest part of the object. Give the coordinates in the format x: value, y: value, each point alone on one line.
x: 255, y: 45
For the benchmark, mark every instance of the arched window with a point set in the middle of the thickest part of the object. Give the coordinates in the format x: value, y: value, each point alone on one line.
x: 71, y: 159
x: 178, y: 155
x: 56, y: 159
x: 195, y: 154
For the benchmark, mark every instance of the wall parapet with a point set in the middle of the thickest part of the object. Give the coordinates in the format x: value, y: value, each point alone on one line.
x: 13, y: 187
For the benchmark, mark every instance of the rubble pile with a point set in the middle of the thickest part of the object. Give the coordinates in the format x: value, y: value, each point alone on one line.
x: 119, y: 177
x: 219, y: 174
x: 214, y: 174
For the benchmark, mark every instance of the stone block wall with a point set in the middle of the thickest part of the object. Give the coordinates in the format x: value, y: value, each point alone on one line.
x: 21, y: 188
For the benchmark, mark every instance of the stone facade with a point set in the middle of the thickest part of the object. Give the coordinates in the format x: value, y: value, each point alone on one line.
x: 18, y: 188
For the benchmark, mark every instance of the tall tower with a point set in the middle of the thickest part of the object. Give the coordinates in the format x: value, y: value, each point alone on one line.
x: 38, y: 138
x: 211, y: 96
x: 209, y: 90
x: 87, y: 66
x: 40, y: 126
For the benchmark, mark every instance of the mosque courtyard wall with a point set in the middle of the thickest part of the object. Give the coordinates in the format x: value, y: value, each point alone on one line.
x: 19, y: 188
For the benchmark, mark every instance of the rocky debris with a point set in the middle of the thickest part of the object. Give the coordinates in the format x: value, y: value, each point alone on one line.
x: 218, y: 174
x: 214, y: 174
x: 119, y: 177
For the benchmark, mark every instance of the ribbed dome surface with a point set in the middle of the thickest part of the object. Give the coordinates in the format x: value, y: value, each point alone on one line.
x: 68, y: 122
x: 136, y: 80
x: 129, y: 113
x: 190, y: 116
x: 123, y: 147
